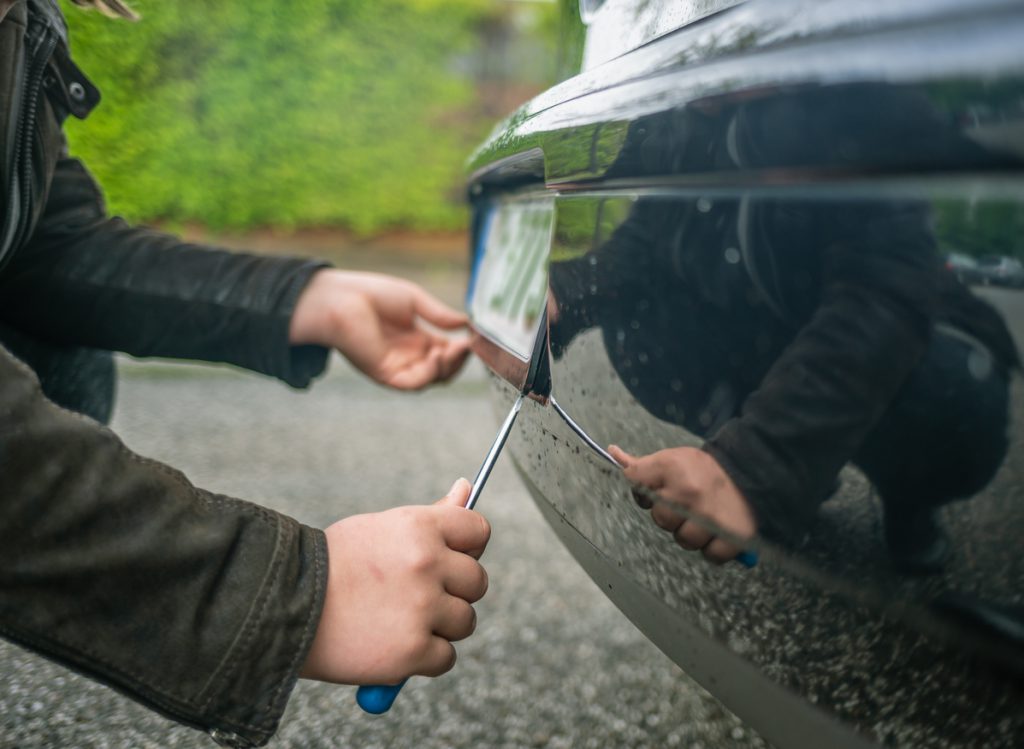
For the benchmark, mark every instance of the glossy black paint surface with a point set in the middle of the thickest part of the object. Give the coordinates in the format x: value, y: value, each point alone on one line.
x: 812, y: 215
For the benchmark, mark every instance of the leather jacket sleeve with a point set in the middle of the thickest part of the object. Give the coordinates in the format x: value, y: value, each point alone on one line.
x: 88, y: 279
x: 201, y: 606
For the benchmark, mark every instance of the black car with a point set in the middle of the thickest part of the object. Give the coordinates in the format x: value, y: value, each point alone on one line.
x: 720, y: 239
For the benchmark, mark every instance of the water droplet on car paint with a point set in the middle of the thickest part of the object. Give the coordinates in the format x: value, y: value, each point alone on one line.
x: 676, y: 385
x: 732, y: 255
x: 642, y: 357
x: 593, y: 289
x: 979, y: 364
x: 635, y: 324
x: 703, y: 205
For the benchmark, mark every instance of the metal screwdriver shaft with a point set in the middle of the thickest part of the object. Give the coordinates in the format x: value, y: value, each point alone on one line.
x: 493, y: 453
x: 378, y: 698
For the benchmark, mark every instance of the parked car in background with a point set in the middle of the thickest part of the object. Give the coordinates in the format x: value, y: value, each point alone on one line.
x: 722, y: 233
x: 999, y: 270
x: 965, y: 267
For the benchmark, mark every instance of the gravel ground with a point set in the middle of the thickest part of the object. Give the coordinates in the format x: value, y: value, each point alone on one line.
x: 553, y: 663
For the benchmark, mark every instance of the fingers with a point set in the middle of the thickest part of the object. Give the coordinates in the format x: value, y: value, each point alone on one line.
x: 665, y: 517
x: 648, y: 470
x: 653, y: 472
x: 453, y: 356
x: 456, y: 619
x: 463, y: 530
x: 438, y: 658
x: 436, y: 312
x: 720, y: 551
x: 465, y: 578
x: 692, y: 536
x: 439, y: 362
x: 418, y: 374
x: 624, y: 458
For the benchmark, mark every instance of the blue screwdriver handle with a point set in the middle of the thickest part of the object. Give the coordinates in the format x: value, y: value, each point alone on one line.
x: 378, y: 698
x: 747, y: 558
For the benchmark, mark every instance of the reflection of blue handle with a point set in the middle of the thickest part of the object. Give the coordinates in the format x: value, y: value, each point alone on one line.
x: 747, y: 558
x: 378, y: 699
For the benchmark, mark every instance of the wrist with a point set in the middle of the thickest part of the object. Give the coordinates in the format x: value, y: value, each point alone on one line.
x: 314, y: 313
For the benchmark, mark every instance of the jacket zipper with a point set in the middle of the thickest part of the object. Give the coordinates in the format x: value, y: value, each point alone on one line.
x: 21, y: 166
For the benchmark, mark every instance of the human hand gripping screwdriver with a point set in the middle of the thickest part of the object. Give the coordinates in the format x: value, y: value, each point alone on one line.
x: 379, y: 698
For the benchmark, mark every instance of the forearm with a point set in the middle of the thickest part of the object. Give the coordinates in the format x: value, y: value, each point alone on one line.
x: 198, y: 605
x: 87, y: 279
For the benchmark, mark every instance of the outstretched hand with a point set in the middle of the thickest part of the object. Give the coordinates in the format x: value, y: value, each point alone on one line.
x: 377, y: 323
x: 693, y: 480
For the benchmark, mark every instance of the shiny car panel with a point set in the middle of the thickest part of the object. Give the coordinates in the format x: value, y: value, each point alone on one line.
x: 743, y: 215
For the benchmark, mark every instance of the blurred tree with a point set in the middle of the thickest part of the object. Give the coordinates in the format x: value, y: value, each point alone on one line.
x: 244, y: 113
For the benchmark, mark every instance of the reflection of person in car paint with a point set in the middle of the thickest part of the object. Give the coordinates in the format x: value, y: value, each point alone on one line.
x: 795, y: 335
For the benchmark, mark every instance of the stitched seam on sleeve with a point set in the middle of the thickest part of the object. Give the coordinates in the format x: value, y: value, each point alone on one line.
x: 242, y: 644
x: 312, y: 620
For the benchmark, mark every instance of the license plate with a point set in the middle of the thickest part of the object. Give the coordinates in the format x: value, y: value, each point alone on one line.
x: 508, y: 288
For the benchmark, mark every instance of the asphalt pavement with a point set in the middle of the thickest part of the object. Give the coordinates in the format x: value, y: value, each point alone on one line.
x: 553, y: 663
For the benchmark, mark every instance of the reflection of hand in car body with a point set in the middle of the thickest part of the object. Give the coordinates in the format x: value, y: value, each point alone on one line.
x: 693, y: 480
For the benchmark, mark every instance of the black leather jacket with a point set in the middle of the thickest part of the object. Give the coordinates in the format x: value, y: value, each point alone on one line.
x: 200, y: 606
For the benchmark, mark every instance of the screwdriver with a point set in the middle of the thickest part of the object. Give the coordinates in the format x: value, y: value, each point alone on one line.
x: 378, y: 698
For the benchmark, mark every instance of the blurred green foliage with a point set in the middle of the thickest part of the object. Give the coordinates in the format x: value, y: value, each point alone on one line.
x: 243, y: 113
x: 571, y: 33
x: 994, y: 227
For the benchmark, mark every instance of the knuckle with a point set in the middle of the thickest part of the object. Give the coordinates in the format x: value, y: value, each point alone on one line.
x: 419, y: 559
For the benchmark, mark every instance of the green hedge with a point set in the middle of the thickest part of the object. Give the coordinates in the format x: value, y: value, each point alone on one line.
x: 243, y: 113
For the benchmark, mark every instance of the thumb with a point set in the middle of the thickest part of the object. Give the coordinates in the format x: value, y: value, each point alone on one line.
x: 457, y: 495
x: 624, y: 458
